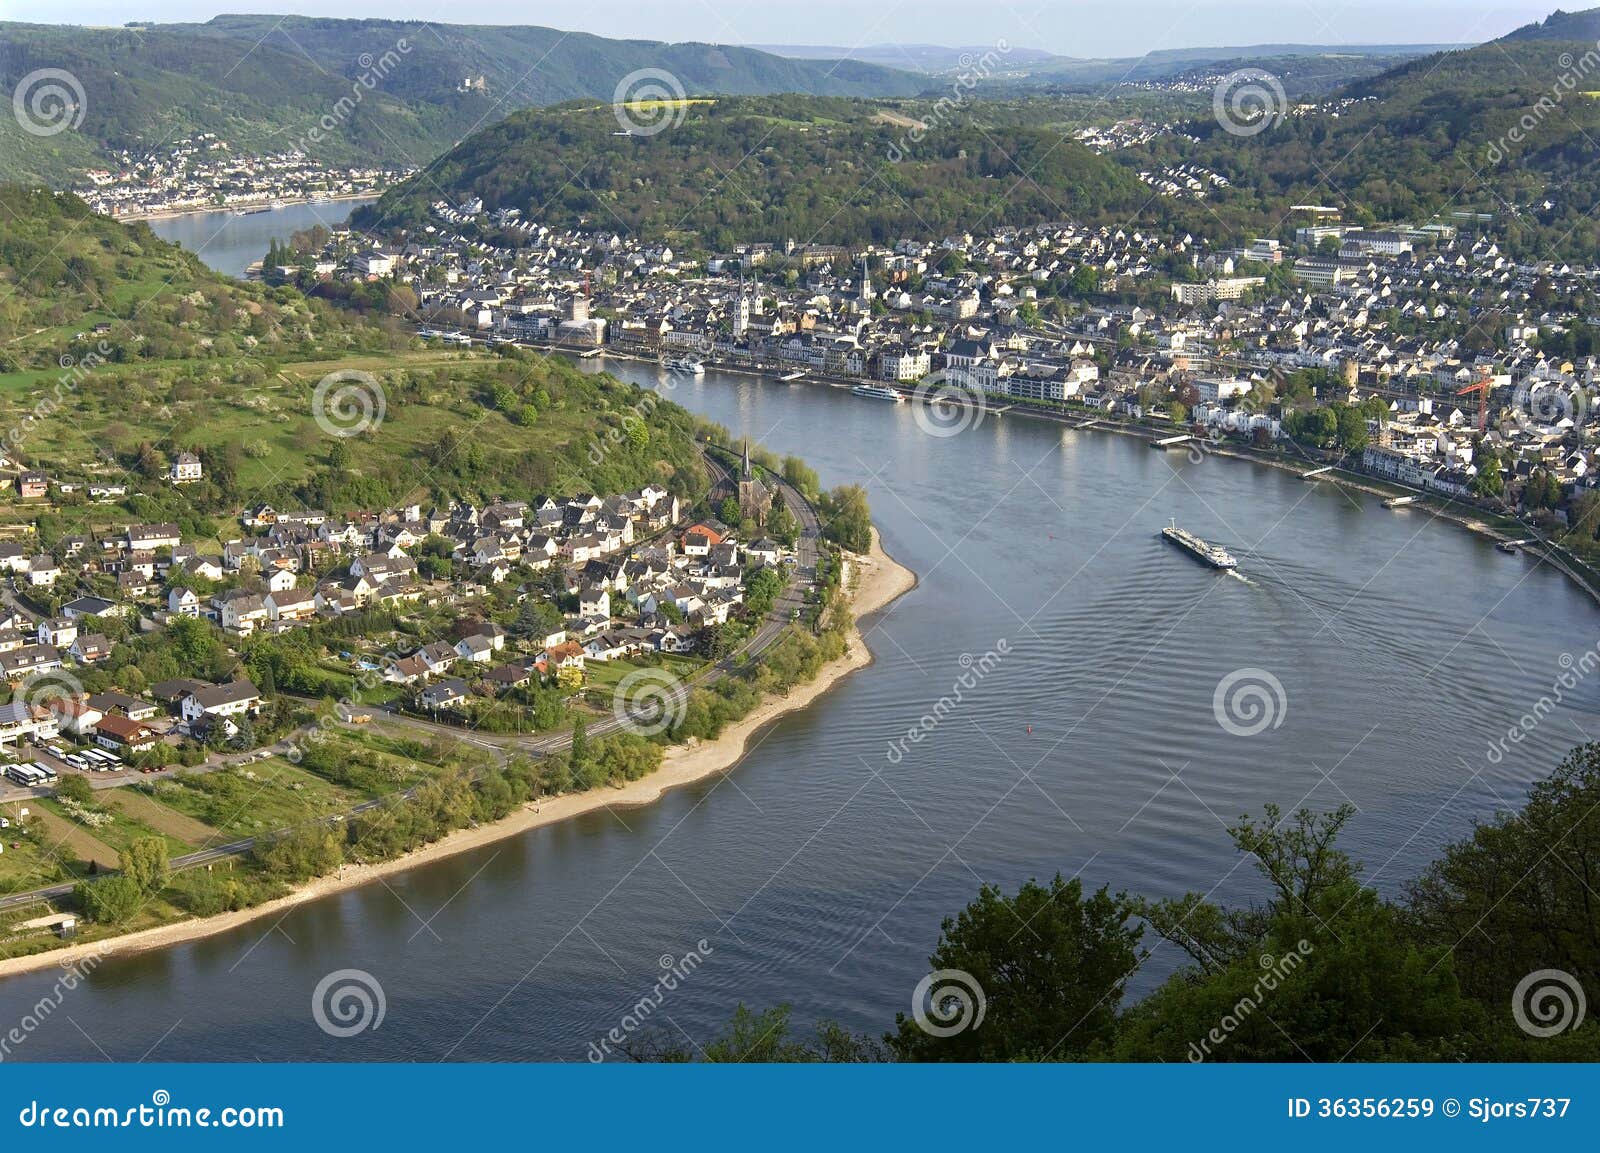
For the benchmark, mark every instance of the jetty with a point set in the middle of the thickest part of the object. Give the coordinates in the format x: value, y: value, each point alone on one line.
x: 1167, y: 442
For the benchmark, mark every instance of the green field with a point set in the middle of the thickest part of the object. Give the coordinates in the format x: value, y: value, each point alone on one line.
x: 255, y: 799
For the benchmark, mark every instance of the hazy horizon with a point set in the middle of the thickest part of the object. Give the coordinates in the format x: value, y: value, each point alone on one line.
x: 1094, y: 28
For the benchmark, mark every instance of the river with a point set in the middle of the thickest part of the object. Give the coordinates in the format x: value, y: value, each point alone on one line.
x: 817, y: 872
x: 231, y: 243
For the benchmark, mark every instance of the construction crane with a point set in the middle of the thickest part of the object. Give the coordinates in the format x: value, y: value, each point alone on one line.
x: 1481, y: 387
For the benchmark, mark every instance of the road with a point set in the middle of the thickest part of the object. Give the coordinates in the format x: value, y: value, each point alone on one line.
x: 807, y: 547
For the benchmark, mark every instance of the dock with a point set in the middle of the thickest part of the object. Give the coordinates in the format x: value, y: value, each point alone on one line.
x: 1316, y: 472
x: 1399, y: 501
x: 1167, y: 442
x: 790, y: 378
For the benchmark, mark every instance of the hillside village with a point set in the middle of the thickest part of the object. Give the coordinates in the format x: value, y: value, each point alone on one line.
x: 1446, y: 347
x: 447, y: 612
x: 203, y: 172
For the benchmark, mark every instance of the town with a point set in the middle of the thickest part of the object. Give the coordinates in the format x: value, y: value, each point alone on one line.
x: 203, y: 172
x: 506, y: 617
x: 1420, y: 355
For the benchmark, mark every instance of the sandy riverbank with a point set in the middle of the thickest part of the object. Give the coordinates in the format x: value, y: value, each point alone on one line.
x: 877, y: 581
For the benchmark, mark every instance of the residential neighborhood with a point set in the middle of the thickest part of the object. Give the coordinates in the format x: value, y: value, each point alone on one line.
x: 1446, y: 345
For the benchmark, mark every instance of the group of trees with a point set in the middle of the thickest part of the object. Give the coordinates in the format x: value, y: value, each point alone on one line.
x: 847, y: 518
x: 1323, y: 968
x: 143, y: 871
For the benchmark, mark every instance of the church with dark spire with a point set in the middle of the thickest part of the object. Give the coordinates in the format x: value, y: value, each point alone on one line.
x: 755, y: 499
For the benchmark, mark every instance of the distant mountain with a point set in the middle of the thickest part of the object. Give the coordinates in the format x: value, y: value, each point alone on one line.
x: 1561, y: 25
x: 396, y: 91
x: 766, y: 168
x: 927, y: 58
x: 1037, y: 66
x: 1481, y: 130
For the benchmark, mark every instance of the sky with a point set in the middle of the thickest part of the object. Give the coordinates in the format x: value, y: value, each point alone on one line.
x: 1067, y: 27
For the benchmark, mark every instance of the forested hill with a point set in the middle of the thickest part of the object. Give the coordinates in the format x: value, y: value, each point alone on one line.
x: 66, y: 273
x: 728, y: 170
x: 1506, y: 128
x: 1559, y: 25
x: 405, y: 90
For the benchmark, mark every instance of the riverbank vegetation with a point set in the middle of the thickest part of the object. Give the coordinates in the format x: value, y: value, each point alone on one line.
x: 1322, y: 967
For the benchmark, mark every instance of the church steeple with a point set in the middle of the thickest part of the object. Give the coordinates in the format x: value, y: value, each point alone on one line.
x: 746, y: 456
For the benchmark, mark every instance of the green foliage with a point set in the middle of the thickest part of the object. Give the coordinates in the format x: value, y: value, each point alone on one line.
x: 847, y: 518
x: 816, y: 169
x: 110, y: 900
x: 1517, y: 895
x: 66, y: 268
x: 762, y: 588
x: 75, y: 788
x: 145, y: 863
x: 1052, y: 964
x: 300, y: 854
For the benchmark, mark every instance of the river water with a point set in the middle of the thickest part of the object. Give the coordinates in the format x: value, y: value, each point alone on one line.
x: 1091, y: 743
x: 231, y: 243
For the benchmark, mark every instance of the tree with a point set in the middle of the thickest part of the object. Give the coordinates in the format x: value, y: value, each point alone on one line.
x: 110, y: 900
x: 1488, y: 481
x: 801, y: 476
x: 762, y: 589
x: 75, y: 788
x: 1051, y: 965
x: 1518, y: 894
x: 1323, y: 971
x: 145, y: 863
x: 847, y: 519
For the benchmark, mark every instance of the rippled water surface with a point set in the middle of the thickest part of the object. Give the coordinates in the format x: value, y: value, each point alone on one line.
x: 818, y: 871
